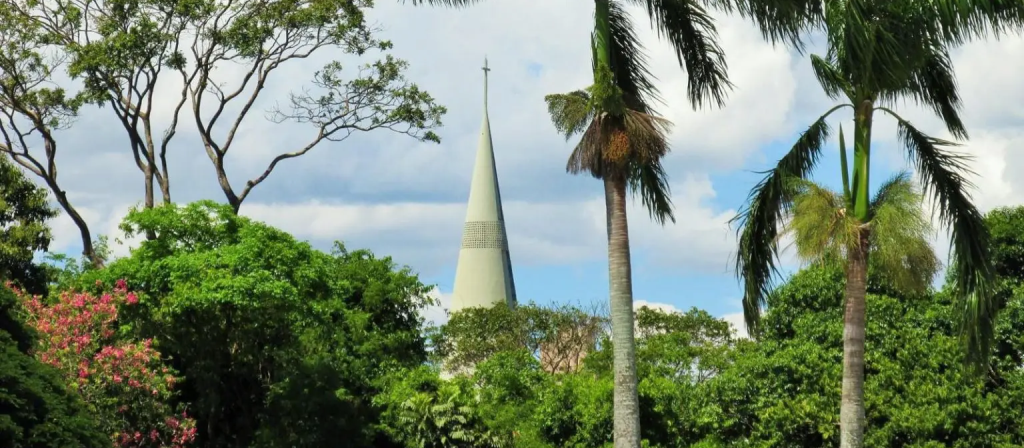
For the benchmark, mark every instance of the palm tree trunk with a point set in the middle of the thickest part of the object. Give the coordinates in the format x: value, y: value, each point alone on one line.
x: 626, y: 408
x: 851, y: 409
x: 851, y: 413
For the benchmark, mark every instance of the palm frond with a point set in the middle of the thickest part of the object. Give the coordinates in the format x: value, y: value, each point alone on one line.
x: 650, y: 182
x: 819, y: 222
x: 964, y: 21
x: 570, y: 112
x: 648, y: 144
x: 588, y: 154
x: 766, y: 207
x: 876, y: 45
x: 900, y: 236
x: 943, y: 177
x: 783, y: 20
x: 897, y: 186
x: 830, y: 79
x: 934, y: 84
x: 629, y: 63
x: 691, y: 30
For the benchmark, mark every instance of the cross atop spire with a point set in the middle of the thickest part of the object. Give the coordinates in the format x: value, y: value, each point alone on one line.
x: 485, y: 69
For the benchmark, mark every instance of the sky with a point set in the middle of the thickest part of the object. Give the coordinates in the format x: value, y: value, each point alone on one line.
x: 406, y: 199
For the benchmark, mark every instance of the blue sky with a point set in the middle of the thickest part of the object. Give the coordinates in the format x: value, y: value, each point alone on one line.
x: 403, y: 198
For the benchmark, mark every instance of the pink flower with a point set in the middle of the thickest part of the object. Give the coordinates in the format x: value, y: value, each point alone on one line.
x: 77, y: 336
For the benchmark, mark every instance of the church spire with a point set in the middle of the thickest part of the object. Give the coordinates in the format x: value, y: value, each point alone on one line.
x: 483, y: 276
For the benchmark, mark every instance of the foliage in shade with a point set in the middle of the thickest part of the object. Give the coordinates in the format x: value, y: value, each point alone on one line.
x: 423, y: 412
x: 279, y: 344
x: 24, y: 210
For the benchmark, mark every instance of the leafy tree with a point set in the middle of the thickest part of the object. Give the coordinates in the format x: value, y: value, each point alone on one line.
x: 623, y: 139
x: 878, y: 54
x: 121, y: 51
x: 469, y: 336
x: 24, y: 210
x: 279, y: 344
x: 36, y: 409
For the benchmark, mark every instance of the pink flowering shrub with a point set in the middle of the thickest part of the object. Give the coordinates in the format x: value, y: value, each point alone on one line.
x: 124, y: 382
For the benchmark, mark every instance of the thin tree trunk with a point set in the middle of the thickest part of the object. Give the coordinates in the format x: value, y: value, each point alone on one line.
x: 150, y: 201
x: 88, y: 251
x: 851, y: 413
x: 626, y: 403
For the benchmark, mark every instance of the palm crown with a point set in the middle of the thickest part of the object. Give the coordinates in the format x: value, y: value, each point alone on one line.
x: 823, y: 229
x: 878, y: 53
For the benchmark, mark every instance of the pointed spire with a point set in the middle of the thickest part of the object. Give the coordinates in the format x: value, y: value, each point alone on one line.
x: 483, y: 276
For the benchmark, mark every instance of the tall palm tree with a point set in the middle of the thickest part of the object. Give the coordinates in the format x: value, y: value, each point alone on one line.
x: 622, y: 144
x: 880, y: 52
x: 624, y: 141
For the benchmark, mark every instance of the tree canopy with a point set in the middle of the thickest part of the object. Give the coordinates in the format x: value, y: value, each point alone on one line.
x: 279, y: 344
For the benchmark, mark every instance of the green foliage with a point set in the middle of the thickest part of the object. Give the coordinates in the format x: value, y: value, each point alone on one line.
x: 36, y: 410
x: 700, y: 387
x: 421, y: 411
x: 24, y: 210
x: 279, y: 344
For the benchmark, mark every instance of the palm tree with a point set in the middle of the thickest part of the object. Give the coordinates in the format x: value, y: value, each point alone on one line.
x: 622, y: 144
x: 624, y: 141
x: 880, y: 53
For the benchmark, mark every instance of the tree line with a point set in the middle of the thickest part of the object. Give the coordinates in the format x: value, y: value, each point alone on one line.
x: 878, y: 53
x: 225, y: 332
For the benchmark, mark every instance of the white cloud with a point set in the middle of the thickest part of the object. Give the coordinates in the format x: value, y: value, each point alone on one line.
x: 737, y: 323
x: 103, y: 219
x: 437, y: 314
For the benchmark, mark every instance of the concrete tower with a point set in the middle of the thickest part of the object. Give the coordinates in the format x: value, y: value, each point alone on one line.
x: 483, y: 276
